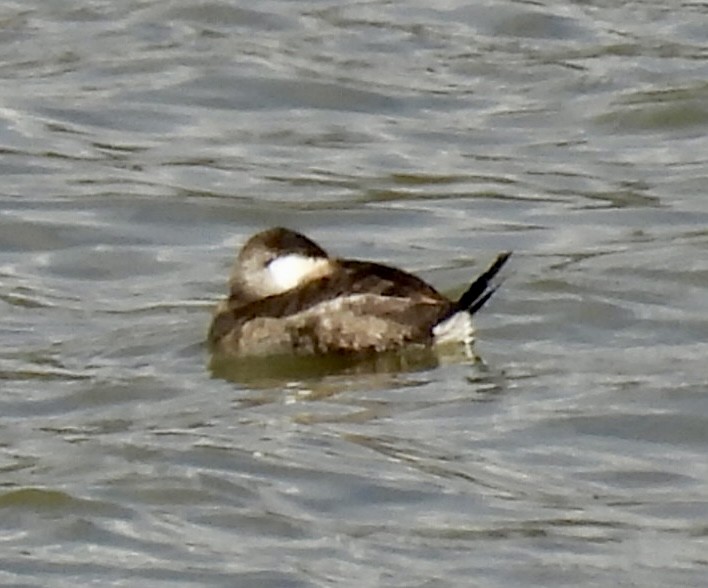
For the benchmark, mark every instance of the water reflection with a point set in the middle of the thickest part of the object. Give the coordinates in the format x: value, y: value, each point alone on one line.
x: 285, y: 368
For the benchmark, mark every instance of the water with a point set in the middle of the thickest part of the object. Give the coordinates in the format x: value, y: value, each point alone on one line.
x: 142, y: 142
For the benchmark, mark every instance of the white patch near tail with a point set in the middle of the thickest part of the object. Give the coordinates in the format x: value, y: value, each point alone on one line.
x: 455, y: 329
x: 291, y: 270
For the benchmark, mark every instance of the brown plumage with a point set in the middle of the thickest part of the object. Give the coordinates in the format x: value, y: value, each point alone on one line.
x: 287, y: 296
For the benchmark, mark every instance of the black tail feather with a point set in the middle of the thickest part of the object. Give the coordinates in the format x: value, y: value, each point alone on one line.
x: 482, y: 288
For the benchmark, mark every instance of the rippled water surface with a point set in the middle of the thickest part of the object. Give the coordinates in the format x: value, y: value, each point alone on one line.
x: 143, y: 141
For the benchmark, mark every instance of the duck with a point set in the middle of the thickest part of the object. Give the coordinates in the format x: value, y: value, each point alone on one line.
x: 288, y: 296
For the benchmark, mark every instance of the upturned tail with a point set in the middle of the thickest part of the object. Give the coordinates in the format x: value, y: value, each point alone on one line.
x: 482, y: 288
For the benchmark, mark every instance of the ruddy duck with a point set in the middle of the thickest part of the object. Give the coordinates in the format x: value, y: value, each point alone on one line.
x: 288, y: 296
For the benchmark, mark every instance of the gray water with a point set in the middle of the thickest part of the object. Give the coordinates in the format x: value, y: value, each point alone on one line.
x: 142, y: 142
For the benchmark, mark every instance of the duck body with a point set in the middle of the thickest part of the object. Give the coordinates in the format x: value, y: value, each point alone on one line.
x: 288, y: 296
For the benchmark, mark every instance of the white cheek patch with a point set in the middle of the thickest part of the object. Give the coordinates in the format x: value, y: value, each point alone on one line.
x: 289, y: 271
